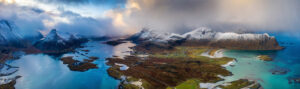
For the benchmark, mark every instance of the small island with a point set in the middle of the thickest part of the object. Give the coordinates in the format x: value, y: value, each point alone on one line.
x: 264, y: 57
x: 81, y: 66
x: 240, y: 84
x: 294, y: 80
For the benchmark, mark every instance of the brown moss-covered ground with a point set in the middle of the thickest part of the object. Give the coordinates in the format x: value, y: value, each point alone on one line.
x: 76, y: 65
x: 168, y: 68
x: 265, y: 58
x: 10, y: 85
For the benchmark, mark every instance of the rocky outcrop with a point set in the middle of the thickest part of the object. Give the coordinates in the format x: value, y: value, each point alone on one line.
x: 209, y: 38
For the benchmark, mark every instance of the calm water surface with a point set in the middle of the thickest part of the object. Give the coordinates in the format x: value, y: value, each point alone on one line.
x: 42, y: 71
x: 249, y: 66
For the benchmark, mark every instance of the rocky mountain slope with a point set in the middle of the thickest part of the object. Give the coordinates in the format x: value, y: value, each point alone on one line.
x: 56, y: 42
x: 8, y: 37
x: 209, y: 38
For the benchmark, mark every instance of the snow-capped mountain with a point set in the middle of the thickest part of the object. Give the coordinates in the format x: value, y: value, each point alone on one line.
x: 200, y: 34
x: 206, y: 37
x: 53, y: 36
x: 154, y: 36
x: 54, y: 41
x: 8, y: 37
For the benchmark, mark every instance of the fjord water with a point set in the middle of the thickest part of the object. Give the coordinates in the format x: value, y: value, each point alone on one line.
x: 250, y: 67
x: 40, y: 71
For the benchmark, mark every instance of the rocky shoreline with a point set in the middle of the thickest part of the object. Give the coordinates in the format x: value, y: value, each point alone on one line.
x: 8, y: 83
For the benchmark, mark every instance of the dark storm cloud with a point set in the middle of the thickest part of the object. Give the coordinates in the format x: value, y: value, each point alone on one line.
x: 228, y: 15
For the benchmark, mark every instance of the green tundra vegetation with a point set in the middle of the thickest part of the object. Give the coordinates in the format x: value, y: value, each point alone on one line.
x: 182, y: 67
x: 189, y: 84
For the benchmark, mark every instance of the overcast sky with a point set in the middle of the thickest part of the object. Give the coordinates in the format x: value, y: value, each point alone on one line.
x: 120, y: 17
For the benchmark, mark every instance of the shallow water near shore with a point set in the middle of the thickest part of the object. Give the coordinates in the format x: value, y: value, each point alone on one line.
x: 40, y: 71
x: 250, y: 67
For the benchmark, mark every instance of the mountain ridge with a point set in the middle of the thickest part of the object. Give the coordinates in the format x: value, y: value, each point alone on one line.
x: 207, y: 37
x: 53, y: 41
x: 7, y: 35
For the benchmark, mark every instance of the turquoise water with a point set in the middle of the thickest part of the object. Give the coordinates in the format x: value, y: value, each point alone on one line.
x: 249, y: 66
x: 42, y: 71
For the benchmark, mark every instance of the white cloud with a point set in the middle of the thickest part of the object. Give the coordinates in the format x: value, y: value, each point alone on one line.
x: 169, y: 15
x: 30, y: 19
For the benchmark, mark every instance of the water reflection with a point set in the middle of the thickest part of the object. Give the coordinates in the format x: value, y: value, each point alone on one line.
x: 42, y: 71
x: 123, y: 49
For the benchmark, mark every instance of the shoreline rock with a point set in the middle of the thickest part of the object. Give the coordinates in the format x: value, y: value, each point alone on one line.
x: 294, y: 80
x: 279, y: 71
x: 9, y: 83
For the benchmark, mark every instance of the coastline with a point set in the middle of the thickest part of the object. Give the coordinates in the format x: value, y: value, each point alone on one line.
x: 231, y: 63
x: 216, y: 54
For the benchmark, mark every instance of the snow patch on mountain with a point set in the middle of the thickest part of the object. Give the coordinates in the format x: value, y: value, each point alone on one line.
x: 7, y: 34
x: 201, y: 33
x: 235, y: 36
x: 54, y: 41
x: 53, y: 36
x: 151, y: 35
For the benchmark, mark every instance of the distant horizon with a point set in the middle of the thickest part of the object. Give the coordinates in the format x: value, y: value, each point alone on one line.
x: 123, y: 17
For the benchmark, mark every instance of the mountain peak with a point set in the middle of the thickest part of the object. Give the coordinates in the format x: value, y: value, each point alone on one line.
x: 53, y: 36
x: 56, y: 42
x: 200, y: 33
x: 53, y: 32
